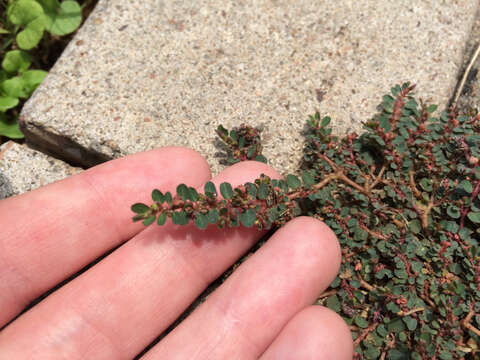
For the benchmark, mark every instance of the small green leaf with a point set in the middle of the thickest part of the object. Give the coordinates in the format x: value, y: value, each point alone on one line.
x: 162, y: 218
x: 140, y: 208
x: 262, y: 191
x: 333, y: 303
x: 210, y: 190
x: 474, y: 217
x: 361, y: 322
x: 7, y: 102
x: 432, y: 108
x: 183, y: 192
x: 201, y: 221
x: 410, y: 322
x: 396, y: 325
x: 157, y: 196
x: 222, y: 131
x: 453, y: 211
x: 251, y: 151
x: 226, y: 190
x: 467, y: 186
x: 168, y: 198
x: 16, y: 61
x: 325, y: 121
x: 22, y: 12
x: 261, y: 158
x: 10, y: 128
x: 65, y: 19
x: 14, y: 87
x: 395, y: 354
x: 308, y: 178
x: 180, y: 218
x: 32, y: 78
x: 415, y: 226
x: 426, y: 184
x: 193, y: 194
x: 212, y: 216
x: 293, y: 181
x: 247, y: 218
x: 149, y: 220
x: 29, y: 37
x: 241, y: 142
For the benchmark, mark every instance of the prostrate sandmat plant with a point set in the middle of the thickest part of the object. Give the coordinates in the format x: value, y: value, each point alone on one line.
x: 404, y: 201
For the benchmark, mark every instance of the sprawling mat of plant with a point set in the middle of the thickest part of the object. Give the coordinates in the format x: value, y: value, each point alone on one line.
x: 404, y: 201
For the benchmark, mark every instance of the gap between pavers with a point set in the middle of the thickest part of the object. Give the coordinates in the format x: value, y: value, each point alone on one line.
x: 23, y: 169
x: 143, y: 74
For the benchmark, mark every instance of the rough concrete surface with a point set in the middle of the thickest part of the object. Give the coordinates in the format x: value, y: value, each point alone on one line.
x: 142, y: 74
x: 23, y: 169
x: 470, y: 93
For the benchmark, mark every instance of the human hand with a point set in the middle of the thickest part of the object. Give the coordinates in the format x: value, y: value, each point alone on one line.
x: 117, y: 307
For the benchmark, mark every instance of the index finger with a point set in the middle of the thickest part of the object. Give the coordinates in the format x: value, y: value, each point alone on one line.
x: 52, y: 232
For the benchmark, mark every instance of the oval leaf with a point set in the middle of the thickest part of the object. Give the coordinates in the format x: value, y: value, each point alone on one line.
x: 247, y: 218
x: 474, y: 217
x: 201, y: 221
x: 7, y: 102
x: 308, y: 178
x: 157, y: 196
x: 226, y: 190
x: 162, y: 218
x: 10, y: 129
x: 16, y: 61
x: 140, y: 208
x: 293, y: 181
x: 149, y: 220
x: 29, y: 37
x: 180, y: 218
x: 213, y: 216
x: 183, y: 192
x: 193, y: 194
x: 262, y: 191
x: 210, y: 190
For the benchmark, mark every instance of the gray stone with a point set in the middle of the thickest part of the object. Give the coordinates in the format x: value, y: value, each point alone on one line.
x: 142, y: 74
x: 23, y: 169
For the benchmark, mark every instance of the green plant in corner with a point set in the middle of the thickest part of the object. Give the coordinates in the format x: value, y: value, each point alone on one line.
x: 404, y: 201
x: 25, y: 24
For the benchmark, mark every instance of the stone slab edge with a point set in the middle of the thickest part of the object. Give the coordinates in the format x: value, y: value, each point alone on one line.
x: 23, y: 169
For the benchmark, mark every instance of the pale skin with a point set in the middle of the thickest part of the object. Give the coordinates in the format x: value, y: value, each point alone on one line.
x: 120, y: 305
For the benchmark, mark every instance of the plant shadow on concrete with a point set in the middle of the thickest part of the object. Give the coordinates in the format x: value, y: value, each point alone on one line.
x: 404, y: 201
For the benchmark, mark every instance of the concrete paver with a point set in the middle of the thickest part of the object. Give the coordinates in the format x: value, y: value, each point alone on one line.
x: 142, y: 74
